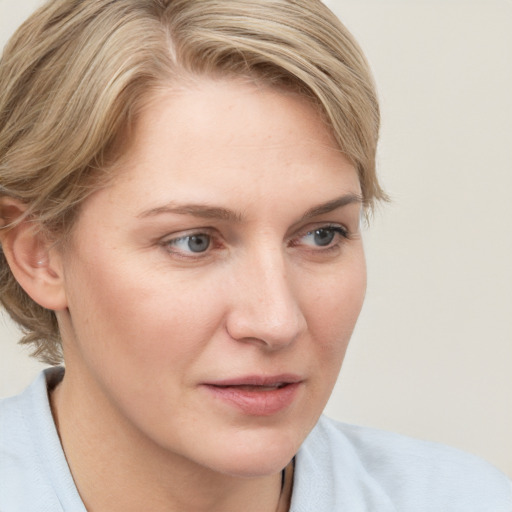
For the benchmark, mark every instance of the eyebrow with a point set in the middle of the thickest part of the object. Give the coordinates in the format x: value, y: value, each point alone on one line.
x: 197, y: 210
x: 206, y: 211
x: 330, y: 206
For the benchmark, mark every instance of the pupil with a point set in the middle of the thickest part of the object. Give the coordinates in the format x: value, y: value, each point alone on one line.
x: 198, y: 243
x: 323, y: 236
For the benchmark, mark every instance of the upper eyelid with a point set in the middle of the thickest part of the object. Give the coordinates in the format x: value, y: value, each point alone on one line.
x: 178, y: 235
x: 211, y: 231
x: 341, y: 231
x: 214, y: 233
x: 176, y: 240
x: 171, y: 240
x: 169, y: 244
x: 343, y: 217
x: 322, y: 225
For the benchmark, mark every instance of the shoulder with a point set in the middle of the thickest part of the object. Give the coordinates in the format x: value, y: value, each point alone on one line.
x: 16, y: 461
x: 395, y: 473
x: 33, y: 470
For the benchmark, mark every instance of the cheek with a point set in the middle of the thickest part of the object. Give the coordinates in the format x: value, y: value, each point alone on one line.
x: 139, y: 315
x: 333, y: 305
x: 337, y: 298
x: 128, y: 324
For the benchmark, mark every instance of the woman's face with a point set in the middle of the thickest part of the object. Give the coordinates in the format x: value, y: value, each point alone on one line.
x: 213, y: 287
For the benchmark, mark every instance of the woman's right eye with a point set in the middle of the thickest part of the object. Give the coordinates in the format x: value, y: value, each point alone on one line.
x: 189, y: 244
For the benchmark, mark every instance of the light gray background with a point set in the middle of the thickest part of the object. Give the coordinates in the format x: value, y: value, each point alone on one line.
x: 432, y: 354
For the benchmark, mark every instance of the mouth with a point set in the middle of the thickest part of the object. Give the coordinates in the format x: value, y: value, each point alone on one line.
x: 258, y: 381
x: 256, y: 388
x: 255, y: 395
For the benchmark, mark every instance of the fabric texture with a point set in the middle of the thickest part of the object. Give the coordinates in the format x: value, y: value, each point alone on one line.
x: 338, y: 468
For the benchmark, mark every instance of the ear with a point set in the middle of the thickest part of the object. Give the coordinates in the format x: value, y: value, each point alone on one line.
x: 36, y: 265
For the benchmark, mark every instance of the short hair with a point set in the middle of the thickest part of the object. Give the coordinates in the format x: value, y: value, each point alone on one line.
x: 76, y: 74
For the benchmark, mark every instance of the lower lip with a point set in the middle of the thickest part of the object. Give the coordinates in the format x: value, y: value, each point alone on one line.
x: 256, y: 403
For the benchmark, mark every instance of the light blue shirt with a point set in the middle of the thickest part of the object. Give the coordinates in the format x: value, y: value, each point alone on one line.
x: 338, y: 468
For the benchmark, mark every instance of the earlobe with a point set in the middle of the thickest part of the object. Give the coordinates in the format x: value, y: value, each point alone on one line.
x: 35, y: 264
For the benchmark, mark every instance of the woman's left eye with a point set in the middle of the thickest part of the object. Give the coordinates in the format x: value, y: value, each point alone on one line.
x: 189, y: 244
x: 323, y: 237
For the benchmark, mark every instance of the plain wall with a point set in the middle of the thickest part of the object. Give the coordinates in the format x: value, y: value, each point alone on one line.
x: 432, y: 353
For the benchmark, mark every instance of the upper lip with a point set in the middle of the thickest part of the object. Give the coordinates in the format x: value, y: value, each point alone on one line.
x: 257, y: 380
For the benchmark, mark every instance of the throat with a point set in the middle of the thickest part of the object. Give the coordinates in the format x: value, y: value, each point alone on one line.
x: 285, y: 497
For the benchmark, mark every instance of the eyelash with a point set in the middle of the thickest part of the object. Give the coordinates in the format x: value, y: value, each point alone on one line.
x: 339, y: 232
x: 335, y: 229
x: 169, y: 243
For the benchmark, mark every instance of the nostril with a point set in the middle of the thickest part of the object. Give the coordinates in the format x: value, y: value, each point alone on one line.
x: 272, y: 333
x: 264, y: 308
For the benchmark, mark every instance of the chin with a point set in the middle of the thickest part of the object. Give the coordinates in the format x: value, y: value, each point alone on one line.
x: 251, y: 457
x: 254, y: 468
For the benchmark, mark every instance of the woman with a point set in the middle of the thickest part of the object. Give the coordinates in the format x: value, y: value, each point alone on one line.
x: 182, y: 185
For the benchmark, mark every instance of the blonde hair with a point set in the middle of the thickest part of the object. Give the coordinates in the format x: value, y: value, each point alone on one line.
x: 76, y: 73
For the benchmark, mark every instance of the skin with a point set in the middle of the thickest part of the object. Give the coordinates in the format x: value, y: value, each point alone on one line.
x: 146, y: 321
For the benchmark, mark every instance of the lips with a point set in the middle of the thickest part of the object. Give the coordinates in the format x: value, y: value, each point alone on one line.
x: 258, y: 388
x: 256, y: 395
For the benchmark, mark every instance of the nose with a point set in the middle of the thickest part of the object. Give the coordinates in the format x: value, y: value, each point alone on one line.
x: 265, y: 308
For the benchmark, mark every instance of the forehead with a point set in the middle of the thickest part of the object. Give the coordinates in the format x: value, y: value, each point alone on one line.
x: 224, y: 139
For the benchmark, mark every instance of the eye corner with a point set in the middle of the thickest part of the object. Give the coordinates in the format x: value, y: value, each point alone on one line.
x: 189, y: 245
x: 322, y: 237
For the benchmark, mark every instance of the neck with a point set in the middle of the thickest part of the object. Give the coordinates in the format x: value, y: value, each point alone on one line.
x: 117, y: 469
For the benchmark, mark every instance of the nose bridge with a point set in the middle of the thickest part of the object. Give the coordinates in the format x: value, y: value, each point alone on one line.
x: 266, y: 307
